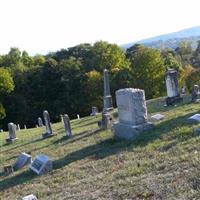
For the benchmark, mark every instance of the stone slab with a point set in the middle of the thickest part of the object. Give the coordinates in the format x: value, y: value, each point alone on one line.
x: 157, y: 117
x: 22, y: 160
x: 30, y: 197
x: 194, y: 118
x: 128, y: 132
x: 47, y: 135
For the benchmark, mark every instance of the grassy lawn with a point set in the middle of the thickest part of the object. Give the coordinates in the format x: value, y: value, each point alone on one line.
x: 163, y: 163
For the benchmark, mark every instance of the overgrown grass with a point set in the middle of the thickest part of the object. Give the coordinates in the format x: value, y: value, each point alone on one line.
x: 162, y: 163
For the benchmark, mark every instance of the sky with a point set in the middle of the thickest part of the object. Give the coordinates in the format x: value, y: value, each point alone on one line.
x: 41, y: 26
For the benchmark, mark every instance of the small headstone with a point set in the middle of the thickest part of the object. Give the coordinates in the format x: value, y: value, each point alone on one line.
x: 30, y: 197
x: 25, y: 127
x: 194, y: 118
x: 66, y: 121
x: 195, y: 94
x: 12, y: 133
x: 41, y: 164
x: 18, y: 127
x: 157, y: 117
x: 22, y: 160
x: 8, y: 169
x: 94, y: 111
x: 78, y: 116
x: 40, y: 122
x: 49, y: 131
x: 106, y: 121
x: 132, y: 112
x: 2, y: 130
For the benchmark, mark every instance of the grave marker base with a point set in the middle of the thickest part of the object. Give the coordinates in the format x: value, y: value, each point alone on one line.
x: 47, y: 135
x: 128, y: 132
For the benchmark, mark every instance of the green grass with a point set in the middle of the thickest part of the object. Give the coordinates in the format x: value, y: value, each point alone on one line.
x: 163, y: 163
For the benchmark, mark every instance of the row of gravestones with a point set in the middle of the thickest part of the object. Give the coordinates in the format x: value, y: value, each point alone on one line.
x: 49, y: 132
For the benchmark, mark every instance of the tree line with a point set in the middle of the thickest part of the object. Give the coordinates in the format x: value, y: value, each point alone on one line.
x: 71, y: 80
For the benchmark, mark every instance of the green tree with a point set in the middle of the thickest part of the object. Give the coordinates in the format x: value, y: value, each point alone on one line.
x: 148, y: 70
x: 6, y: 86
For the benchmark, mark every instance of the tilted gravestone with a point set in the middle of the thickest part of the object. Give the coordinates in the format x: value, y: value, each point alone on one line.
x: 22, y: 160
x: 171, y: 80
x: 94, y: 111
x: 30, y: 197
x: 107, y: 99
x: 132, y: 112
x: 12, y: 133
x: 49, y: 131
x: 66, y: 121
x: 41, y: 164
x: 40, y: 122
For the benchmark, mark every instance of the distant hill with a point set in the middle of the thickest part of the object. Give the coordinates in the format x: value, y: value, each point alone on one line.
x: 170, y: 40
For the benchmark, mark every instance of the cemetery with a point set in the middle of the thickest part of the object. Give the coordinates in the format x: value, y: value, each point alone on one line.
x: 142, y: 149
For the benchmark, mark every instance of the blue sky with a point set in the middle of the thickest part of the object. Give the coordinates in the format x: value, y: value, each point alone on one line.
x: 40, y: 26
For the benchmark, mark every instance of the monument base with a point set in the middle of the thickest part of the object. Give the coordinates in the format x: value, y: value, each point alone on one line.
x: 47, y: 135
x: 130, y: 132
x: 173, y: 100
x: 10, y: 140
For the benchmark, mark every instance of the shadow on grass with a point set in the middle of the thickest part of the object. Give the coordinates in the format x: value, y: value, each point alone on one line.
x: 23, y: 144
x: 107, y: 148
x: 113, y: 146
x: 22, y: 178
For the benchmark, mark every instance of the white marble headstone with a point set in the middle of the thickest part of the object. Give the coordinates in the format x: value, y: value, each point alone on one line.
x: 30, y: 197
x: 41, y: 164
x: 22, y: 160
x: 157, y: 117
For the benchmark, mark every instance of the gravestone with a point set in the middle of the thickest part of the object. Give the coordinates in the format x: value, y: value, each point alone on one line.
x: 18, y: 127
x: 12, y: 133
x: 41, y: 164
x: 157, y: 117
x: 25, y: 127
x: 132, y: 112
x: 30, y: 197
x: 22, y: 160
x: 195, y: 94
x: 78, y: 116
x: 107, y: 99
x: 40, y: 122
x: 171, y: 80
x: 66, y: 121
x: 194, y: 118
x: 49, y: 131
x: 94, y: 111
x: 8, y: 169
x: 106, y: 121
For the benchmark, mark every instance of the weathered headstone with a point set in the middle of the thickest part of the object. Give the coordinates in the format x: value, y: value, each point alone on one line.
x: 22, y: 160
x: 107, y: 99
x: 106, y: 121
x: 78, y: 116
x: 171, y: 80
x: 41, y: 164
x: 195, y: 94
x: 12, y: 133
x: 94, y: 111
x: 18, y: 127
x: 66, y: 121
x: 49, y: 131
x: 40, y: 122
x: 30, y: 197
x: 132, y: 112
x: 8, y: 169
x: 25, y: 127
